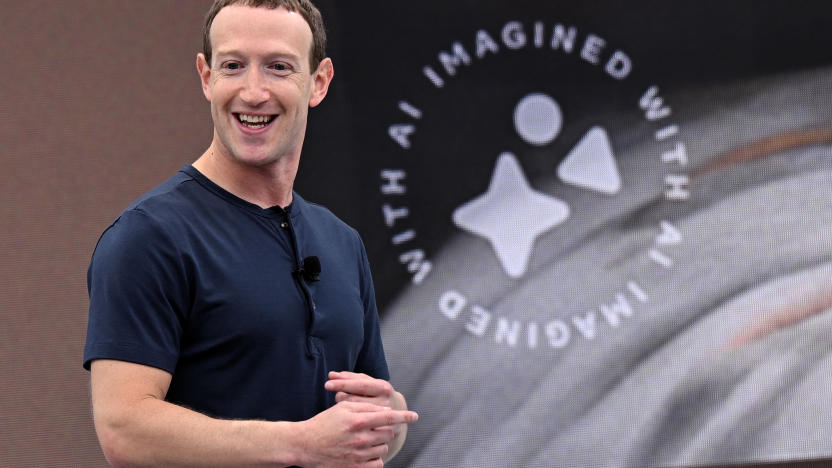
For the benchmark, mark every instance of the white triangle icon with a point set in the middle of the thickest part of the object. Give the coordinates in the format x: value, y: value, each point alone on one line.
x: 591, y: 164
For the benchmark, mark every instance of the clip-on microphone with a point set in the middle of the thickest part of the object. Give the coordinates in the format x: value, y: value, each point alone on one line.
x: 310, y: 269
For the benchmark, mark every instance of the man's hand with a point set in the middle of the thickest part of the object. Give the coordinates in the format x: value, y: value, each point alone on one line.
x: 351, y: 434
x: 361, y: 388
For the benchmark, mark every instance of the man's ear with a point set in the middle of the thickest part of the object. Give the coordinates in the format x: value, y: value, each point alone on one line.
x: 204, y: 70
x: 320, y: 81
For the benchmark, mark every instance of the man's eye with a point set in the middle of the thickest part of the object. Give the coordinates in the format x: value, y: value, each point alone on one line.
x: 231, y: 66
x: 281, y: 67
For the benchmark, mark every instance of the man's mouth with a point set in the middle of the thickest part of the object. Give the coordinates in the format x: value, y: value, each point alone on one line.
x: 255, y: 122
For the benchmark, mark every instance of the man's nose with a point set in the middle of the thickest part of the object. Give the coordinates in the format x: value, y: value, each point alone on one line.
x: 254, y: 88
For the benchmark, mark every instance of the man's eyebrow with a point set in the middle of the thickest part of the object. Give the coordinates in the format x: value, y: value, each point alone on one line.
x: 267, y: 56
x: 218, y: 53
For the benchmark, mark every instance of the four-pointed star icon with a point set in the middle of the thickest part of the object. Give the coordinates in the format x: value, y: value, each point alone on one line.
x: 511, y: 215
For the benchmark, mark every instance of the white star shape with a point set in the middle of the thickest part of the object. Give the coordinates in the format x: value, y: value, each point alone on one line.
x: 511, y: 215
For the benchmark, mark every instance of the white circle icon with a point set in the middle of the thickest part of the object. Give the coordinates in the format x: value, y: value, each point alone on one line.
x: 538, y: 119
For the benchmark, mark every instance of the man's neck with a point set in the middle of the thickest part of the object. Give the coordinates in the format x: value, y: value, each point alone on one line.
x: 265, y: 186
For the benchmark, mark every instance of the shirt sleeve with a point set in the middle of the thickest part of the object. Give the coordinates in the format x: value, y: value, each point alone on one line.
x: 138, y: 294
x: 371, y: 360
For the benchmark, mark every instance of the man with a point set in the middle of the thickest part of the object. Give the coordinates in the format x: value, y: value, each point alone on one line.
x: 232, y: 323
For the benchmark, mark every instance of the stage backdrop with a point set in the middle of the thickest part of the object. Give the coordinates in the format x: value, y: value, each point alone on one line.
x: 598, y: 230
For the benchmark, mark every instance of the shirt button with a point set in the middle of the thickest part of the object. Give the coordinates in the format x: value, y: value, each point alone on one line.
x: 284, y: 224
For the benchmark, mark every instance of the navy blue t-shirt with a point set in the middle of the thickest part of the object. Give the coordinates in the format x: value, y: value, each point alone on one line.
x: 198, y: 282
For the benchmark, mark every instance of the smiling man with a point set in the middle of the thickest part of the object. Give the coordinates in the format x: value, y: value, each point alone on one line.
x: 233, y: 323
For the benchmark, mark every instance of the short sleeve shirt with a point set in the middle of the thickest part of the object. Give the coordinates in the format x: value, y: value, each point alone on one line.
x: 202, y: 284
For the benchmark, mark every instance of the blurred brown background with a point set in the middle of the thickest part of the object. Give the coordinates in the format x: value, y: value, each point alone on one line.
x: 101, y: 102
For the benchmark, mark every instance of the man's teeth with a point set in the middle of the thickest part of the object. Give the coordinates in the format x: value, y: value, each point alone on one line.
x: 254, y: 121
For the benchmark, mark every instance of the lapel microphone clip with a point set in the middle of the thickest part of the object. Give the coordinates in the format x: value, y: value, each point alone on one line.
x: 310, y: 269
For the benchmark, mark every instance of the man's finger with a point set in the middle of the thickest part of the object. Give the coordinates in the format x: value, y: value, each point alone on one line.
x: 374, y: 452
x: 343, y: 396
x: 363, y: 407
x: 388, y: 417
x: 378, y: 436
x: 347, y: 375
x: 365, y: 387
x: 374, y: 463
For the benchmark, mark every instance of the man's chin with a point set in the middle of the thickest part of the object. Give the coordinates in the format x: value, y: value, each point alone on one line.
x: 256, y: 158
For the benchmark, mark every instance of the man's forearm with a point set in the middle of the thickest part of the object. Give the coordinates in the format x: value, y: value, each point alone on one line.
x: 153, y: 432
x: 137, y: 427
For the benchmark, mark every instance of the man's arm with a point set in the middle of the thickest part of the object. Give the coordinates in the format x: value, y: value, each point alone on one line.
x: 136, y: 427
x: 361, y: 388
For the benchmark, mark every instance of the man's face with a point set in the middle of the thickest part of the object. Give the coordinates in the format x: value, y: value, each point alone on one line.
x: 260, y: 84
